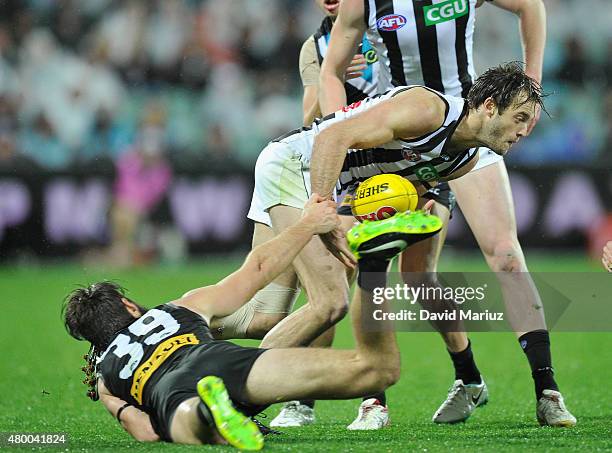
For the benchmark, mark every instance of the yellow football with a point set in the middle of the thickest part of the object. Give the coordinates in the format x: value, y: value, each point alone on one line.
x: 381, y: 196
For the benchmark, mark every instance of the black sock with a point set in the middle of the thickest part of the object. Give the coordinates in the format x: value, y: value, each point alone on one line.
x: 465, y: 367
x: 309, y: 403
x: 372, y: 273
x: 204, y: 415
x: 536, y: 346
x: 381, y: 397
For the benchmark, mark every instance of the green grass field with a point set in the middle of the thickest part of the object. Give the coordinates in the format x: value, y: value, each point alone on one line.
x: 40, y: 388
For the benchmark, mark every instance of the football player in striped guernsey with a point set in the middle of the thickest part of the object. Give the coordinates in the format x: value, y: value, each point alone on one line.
x: 430, y: 42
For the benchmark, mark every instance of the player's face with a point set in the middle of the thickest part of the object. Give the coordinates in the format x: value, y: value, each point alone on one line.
x: 504, y: 130
x: 329, y: 7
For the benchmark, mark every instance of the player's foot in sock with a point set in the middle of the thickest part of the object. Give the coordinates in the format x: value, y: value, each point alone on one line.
x: 551, y: 410
x: 237, y: 429
x: 294, y: 414
x: 372, y: 415
x: 383, y: 239
x: 461, y: 402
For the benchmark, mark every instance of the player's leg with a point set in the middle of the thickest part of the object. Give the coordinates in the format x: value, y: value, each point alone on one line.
x: 301, y: 412
x: 486, y: 202
x: 374, y: 364
x: 298, y: 373
x: 418, y: 265
x: 267, y: 308
x: 323, y: 278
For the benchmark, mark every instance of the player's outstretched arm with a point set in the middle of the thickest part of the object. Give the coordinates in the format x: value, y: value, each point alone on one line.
x: 136, y: 422
x: 263, y: 264
x: 346, y: 34
x: 532, y: 26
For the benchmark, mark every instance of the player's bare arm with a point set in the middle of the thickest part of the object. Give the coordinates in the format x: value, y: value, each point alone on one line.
x: 263, y: 264
x: 310, y: 99
x: 408, y: 115
x: 136, y: 422
x: 346, y: 34
x: 310, y: 104
x: 309, y: 73
x: 532, y: 25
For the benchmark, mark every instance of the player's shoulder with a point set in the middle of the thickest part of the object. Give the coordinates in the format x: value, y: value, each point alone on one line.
x: 430, y: 104
x: 308, y: 43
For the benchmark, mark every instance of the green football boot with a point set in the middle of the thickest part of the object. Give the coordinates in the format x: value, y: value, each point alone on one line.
x: 236, y: 428
x: 383, y: 239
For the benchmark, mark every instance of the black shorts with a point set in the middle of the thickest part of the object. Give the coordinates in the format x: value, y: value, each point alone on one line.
x: 440, y: 193
x: 230, y: 362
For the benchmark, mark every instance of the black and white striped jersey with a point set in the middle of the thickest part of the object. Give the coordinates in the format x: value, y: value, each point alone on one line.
x: 426, y: 42
x: 360, y: 87
x: 421, y: 159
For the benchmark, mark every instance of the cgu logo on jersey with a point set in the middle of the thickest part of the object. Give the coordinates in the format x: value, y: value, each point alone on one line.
x: 391, y: 22
x: 381, y: 213
x: 445, y: 11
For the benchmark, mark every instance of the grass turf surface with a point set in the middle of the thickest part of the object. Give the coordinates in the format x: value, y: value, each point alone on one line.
x: 40, y: 386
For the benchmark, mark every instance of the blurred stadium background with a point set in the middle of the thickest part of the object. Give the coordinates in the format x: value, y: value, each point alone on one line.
x: 128, y: 135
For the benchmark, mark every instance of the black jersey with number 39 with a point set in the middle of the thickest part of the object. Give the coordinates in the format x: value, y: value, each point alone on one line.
x: 154, y: 342
x: 156, y: 362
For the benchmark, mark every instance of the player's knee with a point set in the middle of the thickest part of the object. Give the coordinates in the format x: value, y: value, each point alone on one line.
x: 332, y: 313
x: 506, y: 256
x: 377, y: 377
x: 332, y: 308
x: 262, y: 323
x: 329, y: 302
x: 389, y: 375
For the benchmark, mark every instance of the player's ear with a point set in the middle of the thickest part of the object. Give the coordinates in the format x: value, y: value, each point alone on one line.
x: 131, y: 307
x: 490, y: 106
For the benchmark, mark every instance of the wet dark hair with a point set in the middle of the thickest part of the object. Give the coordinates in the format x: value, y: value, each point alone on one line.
x: 95, y: 313
x: 508, y: 85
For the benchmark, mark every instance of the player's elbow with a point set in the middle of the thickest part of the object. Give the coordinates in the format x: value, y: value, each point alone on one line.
x: 141, y: 430
x: 147, y: 436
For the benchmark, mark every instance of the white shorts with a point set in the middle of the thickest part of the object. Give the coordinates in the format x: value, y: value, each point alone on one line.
x: 486, y: 157
x: 281, y: 177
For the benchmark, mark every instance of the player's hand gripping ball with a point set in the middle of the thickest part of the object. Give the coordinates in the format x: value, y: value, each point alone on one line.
x: 381, y: 196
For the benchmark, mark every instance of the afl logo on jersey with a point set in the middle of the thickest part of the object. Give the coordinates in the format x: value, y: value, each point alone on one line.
x: 391, y: 22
